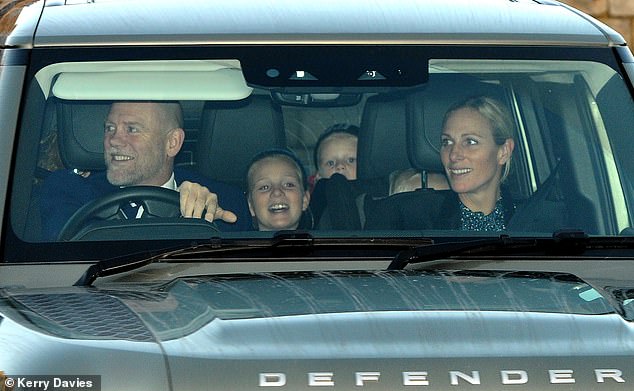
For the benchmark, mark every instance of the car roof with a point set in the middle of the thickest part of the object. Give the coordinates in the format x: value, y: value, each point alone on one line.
x: 167, y: 22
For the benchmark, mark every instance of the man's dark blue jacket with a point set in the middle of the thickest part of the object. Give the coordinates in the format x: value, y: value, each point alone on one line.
x: 64, y: 192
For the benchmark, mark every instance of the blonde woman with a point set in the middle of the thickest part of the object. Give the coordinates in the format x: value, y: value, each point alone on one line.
x: 476, y: 148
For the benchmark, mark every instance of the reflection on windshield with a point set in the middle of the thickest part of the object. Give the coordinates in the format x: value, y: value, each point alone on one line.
x: 482, y: 147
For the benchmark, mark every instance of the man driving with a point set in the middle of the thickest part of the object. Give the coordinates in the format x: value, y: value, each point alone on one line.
x: 141, y: 141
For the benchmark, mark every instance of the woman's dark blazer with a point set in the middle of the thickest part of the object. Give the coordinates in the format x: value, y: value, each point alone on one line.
x: 425, y: 209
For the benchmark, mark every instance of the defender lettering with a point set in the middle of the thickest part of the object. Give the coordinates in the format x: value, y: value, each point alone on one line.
x: 455, y: 378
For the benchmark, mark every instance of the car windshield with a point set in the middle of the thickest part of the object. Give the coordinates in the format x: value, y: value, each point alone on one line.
x: 339, y: 142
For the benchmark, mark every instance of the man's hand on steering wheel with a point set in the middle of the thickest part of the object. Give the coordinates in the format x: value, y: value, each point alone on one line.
x: 196, y: 200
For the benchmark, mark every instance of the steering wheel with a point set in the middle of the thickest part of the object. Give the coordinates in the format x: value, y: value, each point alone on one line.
x: 156, y: 202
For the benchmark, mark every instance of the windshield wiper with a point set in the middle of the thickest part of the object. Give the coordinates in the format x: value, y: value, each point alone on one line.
x: 283, y: 244
x: 112, y: 266
x: 411, y: 250
x: 562, y: 242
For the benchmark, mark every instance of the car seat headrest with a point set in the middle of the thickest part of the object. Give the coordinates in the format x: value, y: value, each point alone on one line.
x: 233, y: 132
x: 382, y: 137
x: 80, y: 127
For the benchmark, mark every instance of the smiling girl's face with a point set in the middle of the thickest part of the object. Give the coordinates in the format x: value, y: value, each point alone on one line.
x: 276, y: 194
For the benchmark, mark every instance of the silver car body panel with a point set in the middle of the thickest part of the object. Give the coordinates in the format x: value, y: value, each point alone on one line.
x: 11, y: 80
x: 238, y: 333
x: 309, y: 22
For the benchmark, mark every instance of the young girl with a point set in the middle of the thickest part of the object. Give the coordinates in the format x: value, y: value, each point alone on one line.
x: 277, y: 192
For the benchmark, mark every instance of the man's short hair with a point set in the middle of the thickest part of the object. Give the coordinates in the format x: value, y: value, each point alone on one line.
x: 172, y: 112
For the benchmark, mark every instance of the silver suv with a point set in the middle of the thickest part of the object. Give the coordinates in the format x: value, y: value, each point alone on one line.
x: 245, y: 195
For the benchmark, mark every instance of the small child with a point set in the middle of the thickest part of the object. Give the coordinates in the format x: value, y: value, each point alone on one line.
x: 336, y: 152
x: 411, y: 179
x: 277, y: 193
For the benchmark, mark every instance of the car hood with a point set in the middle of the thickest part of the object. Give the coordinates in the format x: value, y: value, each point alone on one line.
x: 348, y: 329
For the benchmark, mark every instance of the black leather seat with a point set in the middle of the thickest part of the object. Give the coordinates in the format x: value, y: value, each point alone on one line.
x: 73, y: 132
x: 382, y: 146
x: 80, y: 132
x: 233, y: 132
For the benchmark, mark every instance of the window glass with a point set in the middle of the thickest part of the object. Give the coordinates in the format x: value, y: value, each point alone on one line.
x: 448, y: 144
